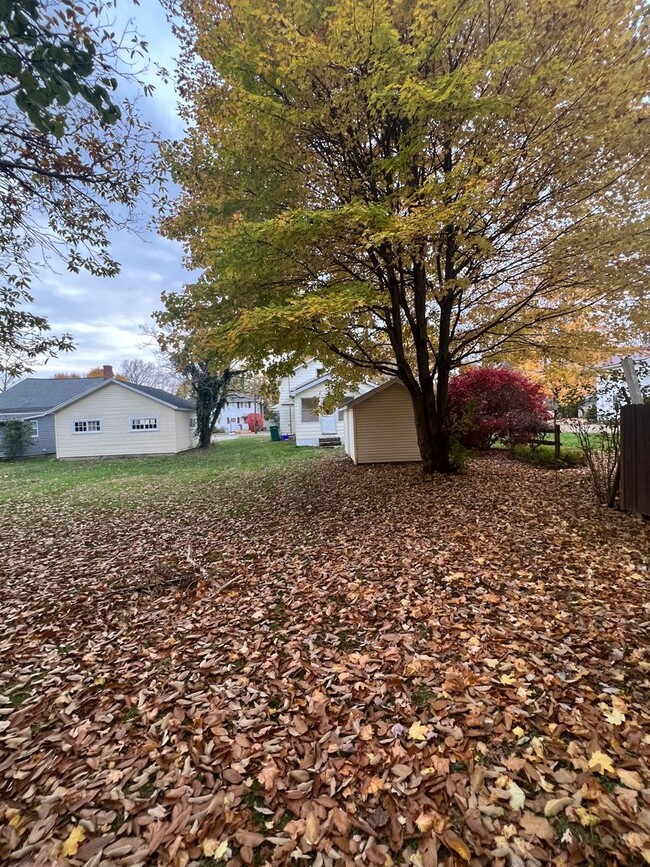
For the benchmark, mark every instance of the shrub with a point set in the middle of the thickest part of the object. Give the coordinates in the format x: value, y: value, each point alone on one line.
x: 255, y: 422
x: 16, y: 437
x: 491, y: 403
x: 602, y: 454
x: 459, y: 456
x: 544, y: 456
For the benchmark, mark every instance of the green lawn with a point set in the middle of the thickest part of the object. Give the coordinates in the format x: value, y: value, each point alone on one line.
x: 122, y: 482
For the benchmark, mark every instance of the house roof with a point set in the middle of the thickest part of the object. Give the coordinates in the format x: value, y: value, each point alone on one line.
x: 42, y: 396
x: 368, y: 394
x: 240, y: 395
x: 156, y: 394
x: 311, y: 383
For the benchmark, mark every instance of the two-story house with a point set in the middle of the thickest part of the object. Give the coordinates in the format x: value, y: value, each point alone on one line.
x: 301, y: 393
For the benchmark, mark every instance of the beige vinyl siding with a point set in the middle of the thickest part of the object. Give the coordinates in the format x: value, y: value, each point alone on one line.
x: 349, y: 440
x: 384, y: 427
x: 115, y: 406
x: 185, y: 438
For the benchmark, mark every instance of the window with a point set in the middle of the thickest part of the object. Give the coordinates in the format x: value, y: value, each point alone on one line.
x: 87, y: 425
x: 146, y: 423
x: 192, y: 422
x: 34, y: 426
x: 341, y: 414
x: 308, y: 405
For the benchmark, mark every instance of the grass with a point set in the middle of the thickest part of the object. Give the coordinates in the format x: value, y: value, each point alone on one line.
x: 124, y: 482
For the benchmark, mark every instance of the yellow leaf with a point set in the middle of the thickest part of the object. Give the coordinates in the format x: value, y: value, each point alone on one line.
x: 418, y: 732
x: 587, y: 819
x: 452, y: 841
x: 508, y: 679
x: 518, y: 731
x: 74, y: 840
x: 600, y: 761
x: 615, y: 718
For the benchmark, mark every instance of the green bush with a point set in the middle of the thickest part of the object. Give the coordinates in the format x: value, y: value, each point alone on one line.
x: 16, y: 437
x: 459, y: 456
x: 544, y: 456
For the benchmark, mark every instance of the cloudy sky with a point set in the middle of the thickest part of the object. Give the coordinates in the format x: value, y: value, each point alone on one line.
x: 104, y: 315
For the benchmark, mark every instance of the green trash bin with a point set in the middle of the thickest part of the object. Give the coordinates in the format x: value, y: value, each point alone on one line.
x: 275, y: 433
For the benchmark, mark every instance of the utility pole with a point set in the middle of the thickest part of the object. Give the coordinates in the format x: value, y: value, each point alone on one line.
x: 632, y: 381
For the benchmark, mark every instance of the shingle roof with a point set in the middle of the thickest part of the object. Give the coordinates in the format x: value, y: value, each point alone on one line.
x: 39, y: 395
x: 160, y: 394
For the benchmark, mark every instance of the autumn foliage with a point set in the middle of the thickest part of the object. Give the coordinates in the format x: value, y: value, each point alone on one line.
x: 255, y: 422
x: 489, y: 403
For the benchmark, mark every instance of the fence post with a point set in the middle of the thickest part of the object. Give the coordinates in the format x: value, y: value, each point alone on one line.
x: 557, y: 439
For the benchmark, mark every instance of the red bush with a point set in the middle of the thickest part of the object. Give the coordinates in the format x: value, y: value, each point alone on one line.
x: 491, y: 403
x: 255, y: 422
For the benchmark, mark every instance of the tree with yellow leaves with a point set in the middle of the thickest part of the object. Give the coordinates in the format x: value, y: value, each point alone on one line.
x: 409, y: 186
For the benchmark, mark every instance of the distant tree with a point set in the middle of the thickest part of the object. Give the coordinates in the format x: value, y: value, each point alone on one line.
x: 255, y: 422
x: 141, y: 372
x: 73, y: 161
x: 489, y: 403
x: 67, y: 376
x: 209, y: 376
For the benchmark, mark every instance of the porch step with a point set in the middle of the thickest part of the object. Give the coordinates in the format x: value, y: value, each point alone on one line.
x: 329, y: 442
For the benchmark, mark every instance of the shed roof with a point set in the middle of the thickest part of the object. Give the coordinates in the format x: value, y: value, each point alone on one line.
x: 370, y: 394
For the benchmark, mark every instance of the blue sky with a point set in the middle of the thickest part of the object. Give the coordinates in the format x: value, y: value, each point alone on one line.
x: 104, y: 315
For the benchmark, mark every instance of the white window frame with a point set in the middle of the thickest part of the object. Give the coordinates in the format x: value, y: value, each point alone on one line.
x: 34, y: 425
x: 192, y: 422
x: 308, y: 411
x: 86, y: 421
x: 140, y: 418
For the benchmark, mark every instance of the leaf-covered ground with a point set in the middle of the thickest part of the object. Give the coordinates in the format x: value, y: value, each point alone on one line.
x: 404, y: 671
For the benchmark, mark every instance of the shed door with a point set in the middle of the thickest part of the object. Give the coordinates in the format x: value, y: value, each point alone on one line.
x: 328, y: 424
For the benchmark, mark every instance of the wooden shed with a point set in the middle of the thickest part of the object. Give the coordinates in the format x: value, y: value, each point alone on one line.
x: 380, y: 426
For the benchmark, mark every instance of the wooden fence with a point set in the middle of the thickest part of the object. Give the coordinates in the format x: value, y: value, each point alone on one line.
x: 635, y: 458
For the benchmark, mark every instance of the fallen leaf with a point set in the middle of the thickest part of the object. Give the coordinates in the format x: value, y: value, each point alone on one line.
x: 453, y: 842
x: 418, y: 732
x: 601, y: 762
x: 517, y: 796
x: 537, y: 826
x: 73, y: 841
x: 556, y: 806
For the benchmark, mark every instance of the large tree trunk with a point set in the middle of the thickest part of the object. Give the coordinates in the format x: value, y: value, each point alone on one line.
x: 432, y: 427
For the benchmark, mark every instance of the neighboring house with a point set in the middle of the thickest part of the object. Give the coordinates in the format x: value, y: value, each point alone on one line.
x: 300, y: 395
x: 380, y: 426
x: 32, y: 400
x: 91, y: 418
x: 232, y: 417
x: 611, y: 390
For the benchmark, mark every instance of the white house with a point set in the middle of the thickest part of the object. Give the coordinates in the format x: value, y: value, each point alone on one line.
x: 300, y: 395
x: 232, y: 417
x: 115, y: 418
x: 380, y: 426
